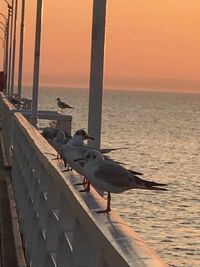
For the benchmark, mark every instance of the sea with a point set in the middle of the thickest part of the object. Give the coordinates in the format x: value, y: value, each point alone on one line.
x: 161, y: 134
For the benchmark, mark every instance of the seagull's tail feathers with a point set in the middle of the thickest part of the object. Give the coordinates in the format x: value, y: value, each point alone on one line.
x: 135, y: 172
x: 149, y: 185
x: 108, y: 150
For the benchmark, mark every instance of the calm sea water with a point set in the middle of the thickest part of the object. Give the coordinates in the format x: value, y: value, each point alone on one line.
x: 162, y: 133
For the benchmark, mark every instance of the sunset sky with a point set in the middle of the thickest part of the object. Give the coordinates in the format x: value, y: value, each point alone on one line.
x: 150, y: 44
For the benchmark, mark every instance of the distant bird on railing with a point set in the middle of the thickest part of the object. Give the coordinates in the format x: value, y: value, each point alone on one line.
x: 16, y: 102
x: 62, y: 105
x: 113, y: 178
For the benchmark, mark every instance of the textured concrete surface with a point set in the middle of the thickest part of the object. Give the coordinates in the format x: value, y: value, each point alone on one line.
x: 11, y: 254
x: 8, y: 255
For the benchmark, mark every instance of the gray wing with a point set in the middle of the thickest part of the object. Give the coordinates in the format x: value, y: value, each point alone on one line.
x: 105, y: 150
x: 102, y: 151
x: 112, y: 160
x: 73, y: 152
x: 113, y: 174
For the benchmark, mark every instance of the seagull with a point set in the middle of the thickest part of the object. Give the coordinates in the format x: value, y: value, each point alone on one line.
x: 75, y: 148
x: 15, y: 101
x: 50, y: 131
x: 59, y: 141
x: 62, y: 105
x: 111, y: 177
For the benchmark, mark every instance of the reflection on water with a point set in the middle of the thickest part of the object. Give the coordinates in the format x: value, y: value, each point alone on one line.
x: 162, y: 133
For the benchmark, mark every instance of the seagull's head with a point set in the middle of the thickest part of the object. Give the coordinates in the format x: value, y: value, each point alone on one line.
x: 91, y: 156
x: 60, y: 135
x: 58, y: 99
x: 82, y: 133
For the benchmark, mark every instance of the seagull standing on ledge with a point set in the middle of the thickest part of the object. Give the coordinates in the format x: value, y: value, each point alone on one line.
x: 111, y: 177
x: 62, y: 105
x: 74, y: 149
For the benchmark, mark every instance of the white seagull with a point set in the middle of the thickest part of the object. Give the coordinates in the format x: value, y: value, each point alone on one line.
x: 75, y: 148
x: 111, y: 177
x: 62, y: 105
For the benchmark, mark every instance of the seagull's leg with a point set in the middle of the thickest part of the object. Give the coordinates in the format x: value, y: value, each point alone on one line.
x: 83, y: 183
x: 67, y: 169
x: 87, y: 189
x: 55, y: 158
x: 108, y: 209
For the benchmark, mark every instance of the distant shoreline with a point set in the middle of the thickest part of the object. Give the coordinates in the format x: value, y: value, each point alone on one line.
x: 147, y: 90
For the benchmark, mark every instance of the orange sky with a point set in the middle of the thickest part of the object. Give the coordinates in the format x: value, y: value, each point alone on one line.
x: 153, y: 44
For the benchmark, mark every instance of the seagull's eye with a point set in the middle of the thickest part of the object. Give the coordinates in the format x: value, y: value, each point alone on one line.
x: 94, y: 157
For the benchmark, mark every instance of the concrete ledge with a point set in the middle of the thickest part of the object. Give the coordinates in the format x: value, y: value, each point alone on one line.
x: 11, y: 246
x: 6, y: 162
x: 46, y: 114
x: 15, y: 227
x: 108, y: 231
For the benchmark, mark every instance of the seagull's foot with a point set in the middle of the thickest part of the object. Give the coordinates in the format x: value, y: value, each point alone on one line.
x: 103, y: 211
x: 67, y: 170
x: 87, y: 189
x: 84, y: 190
x: 83, y: 183
x: 108, y: 209
x: 59, y: 157
x: 55, y: 158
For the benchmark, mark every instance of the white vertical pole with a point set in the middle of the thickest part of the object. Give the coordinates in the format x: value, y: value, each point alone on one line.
x: 14, y: 49
x: 7, y: 50
x: 21, y: 46
x: 36, y: 64
x: 4, y: 48
x: 10, y: 49
x: 96, y: 71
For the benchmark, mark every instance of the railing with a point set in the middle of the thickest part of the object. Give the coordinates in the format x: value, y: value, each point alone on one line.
x: 7, y: 109
x: 59, y: 225
x: 7, y: 123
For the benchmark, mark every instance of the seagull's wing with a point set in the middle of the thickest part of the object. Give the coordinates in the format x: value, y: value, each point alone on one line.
x: 117, y: 176
x: 65, y: 105
x: 108, y: 150
x: 144, y: 184
x: 105, y: 150
x: 113, y: 174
